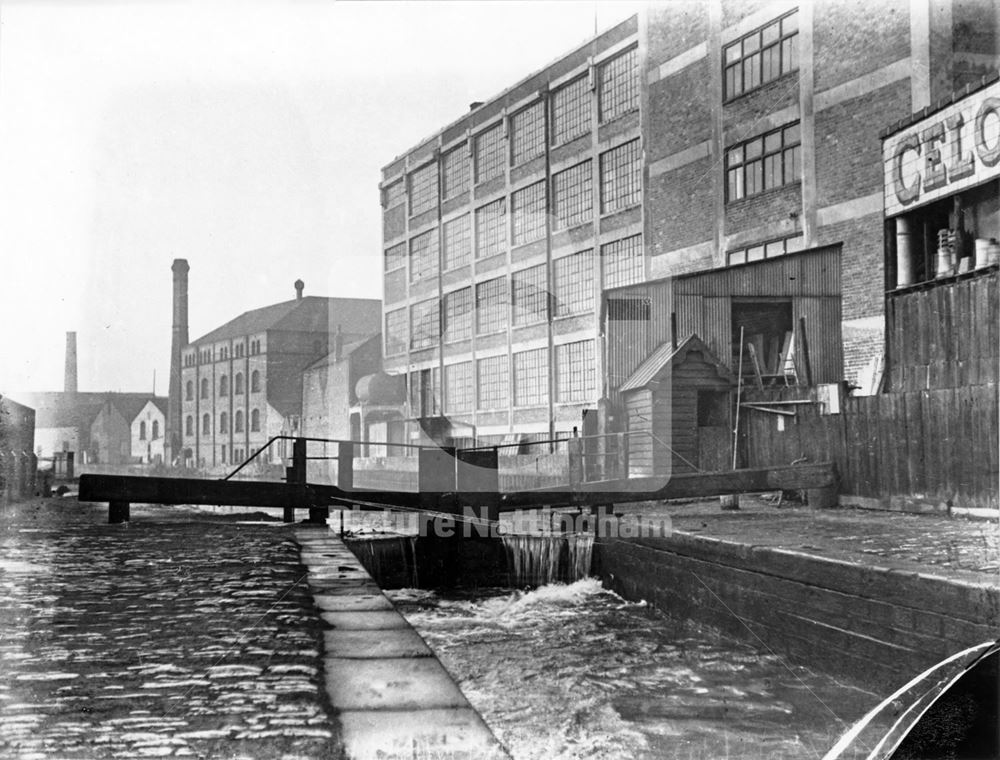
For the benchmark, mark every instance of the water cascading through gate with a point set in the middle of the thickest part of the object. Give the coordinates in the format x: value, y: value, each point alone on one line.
x: 539, y: 560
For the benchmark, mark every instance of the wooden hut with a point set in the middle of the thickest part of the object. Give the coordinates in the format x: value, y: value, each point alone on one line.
x: 678, y: 410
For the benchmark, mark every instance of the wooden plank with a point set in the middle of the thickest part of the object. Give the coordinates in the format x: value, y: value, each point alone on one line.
x: 929, y: 448
x: 914, y: 452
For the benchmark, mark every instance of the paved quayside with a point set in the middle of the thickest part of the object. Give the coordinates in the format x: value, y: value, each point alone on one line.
x: 391, y: 695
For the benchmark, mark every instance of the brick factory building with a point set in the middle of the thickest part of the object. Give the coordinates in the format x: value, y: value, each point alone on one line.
x: 693, y: 136
x: 241, y: 383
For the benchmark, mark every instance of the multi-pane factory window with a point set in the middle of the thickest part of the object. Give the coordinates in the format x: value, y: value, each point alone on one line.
x: 206, y: 424
x: 204, y: 387
x: 574, y: 284
x: 394, y: 194
x: 492, y: 298
x: 424, y: 326
x: 255, y: 420
x: 622, y: 262
x: 572, y: 197
x: 255, y: 382
x: 238, y: 422
x: 395, y: 257
x: 489, y: 154
x: 223, y: 386
x: 425, y: 392
x: 189, y: 391
x: 189, y: 425
x: 395, y: 332
x: 458, y: 315
x: 763, y: 163
x: 423, y: 189
x: 455, y: 171
x: 424, y: 256
x: 575, y: 371
x: 766, y: 250
x: 531, y: 377
x: 494, y: 382
x: 761, y: 56
x: 618, y: 86
x: 528, y: 209
x: 527, y: 138
x: 457, y: 242
x: 491, y: 228
x: 621, y: 184
x: 571, y: 111
x: 238, y: 384
x: 530, y: 296
x: 458, y: 390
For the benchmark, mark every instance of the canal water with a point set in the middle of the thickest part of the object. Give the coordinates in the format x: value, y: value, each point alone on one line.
x: 574, y: 671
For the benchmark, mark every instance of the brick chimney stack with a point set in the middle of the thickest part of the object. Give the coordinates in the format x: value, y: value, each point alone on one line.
x: 179, y: 339
x: 70, y: 379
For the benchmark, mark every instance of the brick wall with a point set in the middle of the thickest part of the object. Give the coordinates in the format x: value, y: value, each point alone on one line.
x: 681, y: 211
x: 873, y: 625
x: 856, y: 37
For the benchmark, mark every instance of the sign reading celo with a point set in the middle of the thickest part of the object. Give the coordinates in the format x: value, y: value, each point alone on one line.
x: 953, y: 149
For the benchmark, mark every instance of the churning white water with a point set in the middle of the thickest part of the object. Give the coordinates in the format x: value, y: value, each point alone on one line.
x: 573, y: 671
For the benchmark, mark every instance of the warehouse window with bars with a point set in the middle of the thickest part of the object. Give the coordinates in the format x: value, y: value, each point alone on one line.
x: 574, y: 284
x: 493, y: 376
x: 572, y: 197
x: 424, y: 324
x: 458, y: 315
x: 457, y: 242
x: 423, y: 189
x: 618, y: 86
x: 531, y: 377
x: 458, y: 390
x: 455, y: 171
x: 767, y: 250
x: 492, y: 299
x: 571, y: 111
x: 528, y: 210
x: 527, y: 133
x: 622, y: 262
x: 490, y: 158
x: 491, y: 228
x: 621, y: 181
x: 424, y: 256
x: 763, y: 163
x: 575, y: 373
x: 761, y: 56
x: 530, y: 297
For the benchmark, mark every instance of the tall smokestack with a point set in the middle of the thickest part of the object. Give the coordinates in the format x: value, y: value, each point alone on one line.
x: 179, y: 339
x: 299, y: 285
x: 69, y: 381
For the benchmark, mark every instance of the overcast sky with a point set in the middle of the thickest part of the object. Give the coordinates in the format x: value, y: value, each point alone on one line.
x: 245, y: 137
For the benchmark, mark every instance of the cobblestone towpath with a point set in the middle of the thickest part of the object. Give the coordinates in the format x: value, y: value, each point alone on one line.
x: 170, y: 636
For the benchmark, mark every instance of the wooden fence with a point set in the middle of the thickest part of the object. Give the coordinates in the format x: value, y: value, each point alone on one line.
x: 931, y: 447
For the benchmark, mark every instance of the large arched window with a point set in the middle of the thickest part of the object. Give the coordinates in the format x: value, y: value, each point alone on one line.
x: 238, y: 384
x: 255, y: 382
x: 223, y: 423
x: 189, y: 391
x: 239, y: 422
x: 204, y: 387
x: 156, y: 429
x: 255, y: 421
x: 223, y: 386
x: 142, y: 431
x: 189, y: 425
x: 206, y: 424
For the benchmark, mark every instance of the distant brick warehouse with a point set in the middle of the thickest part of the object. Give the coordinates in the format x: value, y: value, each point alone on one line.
x: 691, y: 137
x: 241, y: 383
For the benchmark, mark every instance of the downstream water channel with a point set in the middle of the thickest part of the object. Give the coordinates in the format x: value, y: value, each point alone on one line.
x: 574, y: 671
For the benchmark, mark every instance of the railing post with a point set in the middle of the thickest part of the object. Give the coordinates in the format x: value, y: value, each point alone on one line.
x: 295, y: 475
x: 574, y: 447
